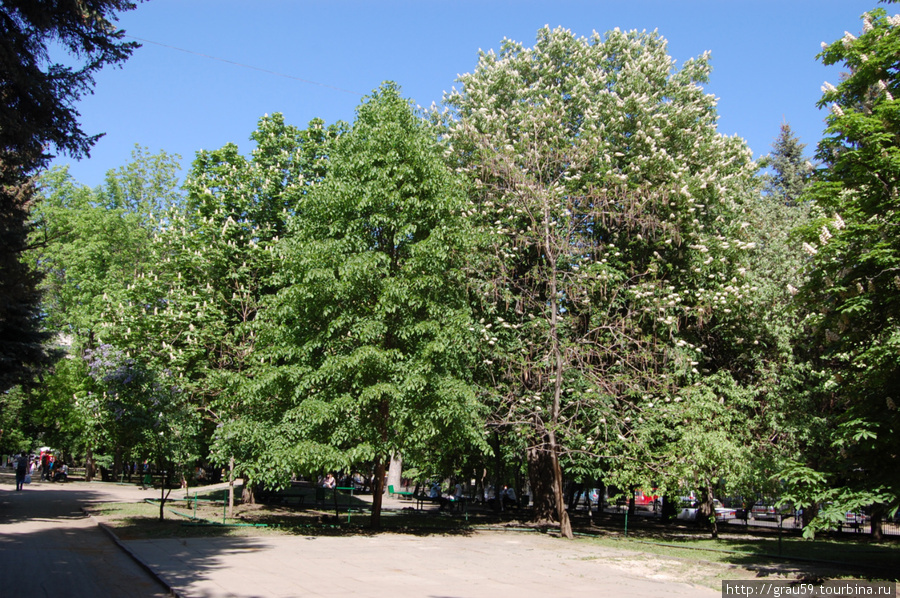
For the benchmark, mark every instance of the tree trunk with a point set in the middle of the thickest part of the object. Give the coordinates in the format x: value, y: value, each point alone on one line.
x: 162, y: 492
x: 575, y: 495
x: 89, y: 466
x: 669, y: 508
x: 231, y: 487
x: 809, y: 513
x: 540, y: 476
x: 565, y: 525
x: 876, y: 523
x: 248, y: 496
x: 117, y: 464
x: 378, y: 492
x: 395, y: 471
x: 546, y: 480
x: 706, y: 512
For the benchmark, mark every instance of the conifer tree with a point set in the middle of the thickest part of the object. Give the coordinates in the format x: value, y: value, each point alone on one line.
x: 791, y: 171
x: 38, y: 111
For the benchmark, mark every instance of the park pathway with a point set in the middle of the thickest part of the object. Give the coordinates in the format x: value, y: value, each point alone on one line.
x: 49, y: 547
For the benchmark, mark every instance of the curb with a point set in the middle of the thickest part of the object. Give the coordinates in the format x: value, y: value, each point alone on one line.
x: 112, y: 535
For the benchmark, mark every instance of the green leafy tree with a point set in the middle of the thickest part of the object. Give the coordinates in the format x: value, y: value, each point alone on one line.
x: 851, y: 299
x: 609, y: 208
x: 364, y: 348
x: 191, y: 313
x: 90, y: 246
x: 142, y: 412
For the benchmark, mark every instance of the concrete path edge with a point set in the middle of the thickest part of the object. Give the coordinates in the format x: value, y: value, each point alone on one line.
x: 112, y: 535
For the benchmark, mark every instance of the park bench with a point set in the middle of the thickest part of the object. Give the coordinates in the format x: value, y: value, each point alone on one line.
x: 294, y: 499
x: 400, y: 493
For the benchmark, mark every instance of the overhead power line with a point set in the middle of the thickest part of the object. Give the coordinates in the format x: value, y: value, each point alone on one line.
x: 242, y: 65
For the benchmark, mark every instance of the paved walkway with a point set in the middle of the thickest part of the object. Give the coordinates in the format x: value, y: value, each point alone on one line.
x: 484, y: 565
x: 480, y: 565
x: 48, y: 547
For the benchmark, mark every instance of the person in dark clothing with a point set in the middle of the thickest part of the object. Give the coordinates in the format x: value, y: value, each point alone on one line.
x: 21, y: 471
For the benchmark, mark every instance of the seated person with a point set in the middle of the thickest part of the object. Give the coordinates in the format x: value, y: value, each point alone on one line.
x: 508, y: 497
x: 61, y: 474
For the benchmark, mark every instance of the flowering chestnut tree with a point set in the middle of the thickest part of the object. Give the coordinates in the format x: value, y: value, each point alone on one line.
x: 609, y: 211
x: 852, y: 297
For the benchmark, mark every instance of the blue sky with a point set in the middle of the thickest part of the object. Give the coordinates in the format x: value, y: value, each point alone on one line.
x: 763, y: 58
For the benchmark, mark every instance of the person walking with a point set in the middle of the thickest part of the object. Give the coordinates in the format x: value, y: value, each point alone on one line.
x: 21, y: 471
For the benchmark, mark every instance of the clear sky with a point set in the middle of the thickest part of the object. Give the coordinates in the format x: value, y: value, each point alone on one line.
x: 334, y: 51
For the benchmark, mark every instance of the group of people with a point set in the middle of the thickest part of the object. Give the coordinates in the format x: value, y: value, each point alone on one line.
x: 52, y: 470
x: 501, y: 500
x: 354, y: 480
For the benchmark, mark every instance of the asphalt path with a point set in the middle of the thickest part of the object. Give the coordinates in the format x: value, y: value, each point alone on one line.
x: 49, y: 547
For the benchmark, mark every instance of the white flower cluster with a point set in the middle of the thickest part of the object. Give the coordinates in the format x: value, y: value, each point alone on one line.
x: 867, y: 23
x: 848, y: 40
x: 839, y: 222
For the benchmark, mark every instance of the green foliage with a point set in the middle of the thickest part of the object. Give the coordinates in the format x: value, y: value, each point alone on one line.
x: 22, y: 337
x: 92, y: 244
x: 137, y: 410
x: 89, y: 246
x: 13, y: 435
x: 363, y: 351
x: 211, y: 261
x: 38, y: 112
x: 40, y: 95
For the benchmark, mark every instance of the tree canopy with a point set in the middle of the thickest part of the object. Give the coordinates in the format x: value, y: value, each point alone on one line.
x: 610, y: 209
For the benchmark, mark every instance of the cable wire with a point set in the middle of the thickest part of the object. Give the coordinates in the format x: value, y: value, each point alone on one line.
x: 246, y: 66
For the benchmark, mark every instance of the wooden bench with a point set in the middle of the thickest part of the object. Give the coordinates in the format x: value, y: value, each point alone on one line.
x: 294, y: 499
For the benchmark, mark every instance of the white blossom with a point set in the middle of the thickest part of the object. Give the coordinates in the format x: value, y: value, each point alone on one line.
x: 848, y: 39
x: 838, y: 222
